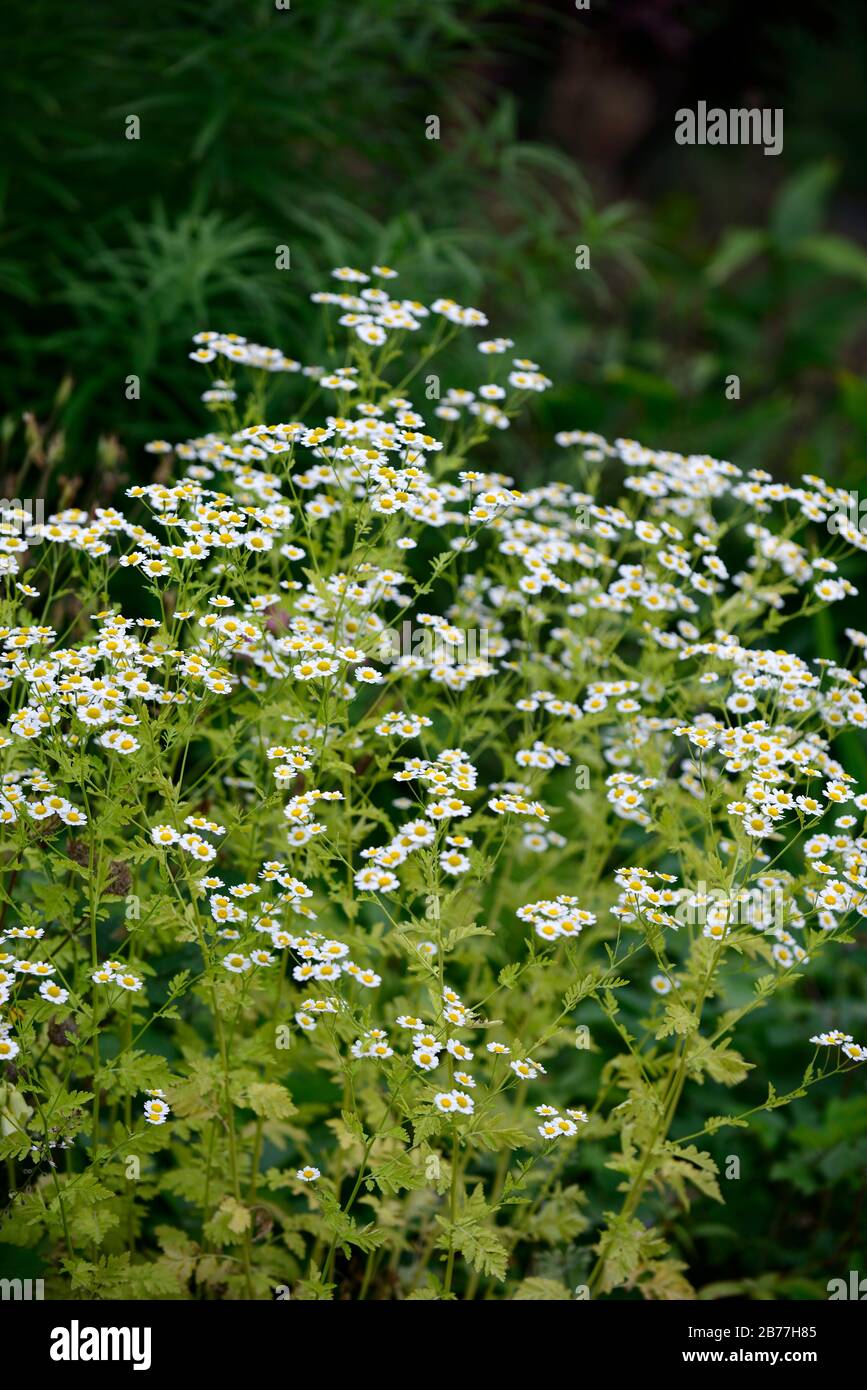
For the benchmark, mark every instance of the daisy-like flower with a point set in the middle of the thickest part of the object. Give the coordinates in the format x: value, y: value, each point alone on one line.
x: 464, y: 1104
x: 164, y: 835
x: 198, y: 848
x: 53, y: 993
x: 526, y: 1068
x: 295, y: 631
x: 128, y: 981
x: 445, y: 1102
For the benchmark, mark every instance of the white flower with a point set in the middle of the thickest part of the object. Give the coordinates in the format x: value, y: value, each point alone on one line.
x: 445, y: 1102
x: 526, y: 1068
x: 236, y: 963
x: 128, y: 981
x: 53, y: 992
x: 164, y: 835
x: 464, y: 1104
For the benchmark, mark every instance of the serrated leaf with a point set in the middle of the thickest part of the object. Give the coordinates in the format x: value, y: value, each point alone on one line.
x: 538, y: 1290
x: 676, y: 1019
x: 270, y: 1100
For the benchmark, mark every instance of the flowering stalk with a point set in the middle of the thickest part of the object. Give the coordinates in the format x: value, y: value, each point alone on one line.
x: 500, y: 787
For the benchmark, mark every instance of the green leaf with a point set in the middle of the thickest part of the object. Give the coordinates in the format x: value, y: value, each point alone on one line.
x: 688, y: 1164
x: 396, y: 1173
x: 15, y: 1145
x: 800, y: 207
x: 474, y: 1239
x: 676, y: 1019
x: 538, y: 1290
x: 140, y: 1071
x: 229, y: 1222
x: 738, y: 246
x: 835, y: 255
x: 495, y: 1138
x: 723, y: 1121
x: 721, y: 1063
x: 354, y: 1125
x: 627, y: 1246
x: 509, y: 975
x: 270, y: 1100
x: 479, y: 1245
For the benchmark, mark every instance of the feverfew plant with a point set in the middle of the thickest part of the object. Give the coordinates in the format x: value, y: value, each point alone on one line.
x: 384, y: 840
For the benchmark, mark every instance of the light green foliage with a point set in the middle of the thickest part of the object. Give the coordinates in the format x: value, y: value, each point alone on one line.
x: 322, y: 968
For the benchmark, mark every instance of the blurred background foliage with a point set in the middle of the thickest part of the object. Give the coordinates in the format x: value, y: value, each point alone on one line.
x: 306, y: 127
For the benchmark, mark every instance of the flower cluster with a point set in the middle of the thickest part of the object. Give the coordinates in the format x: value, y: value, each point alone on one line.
x: 425, y: 861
